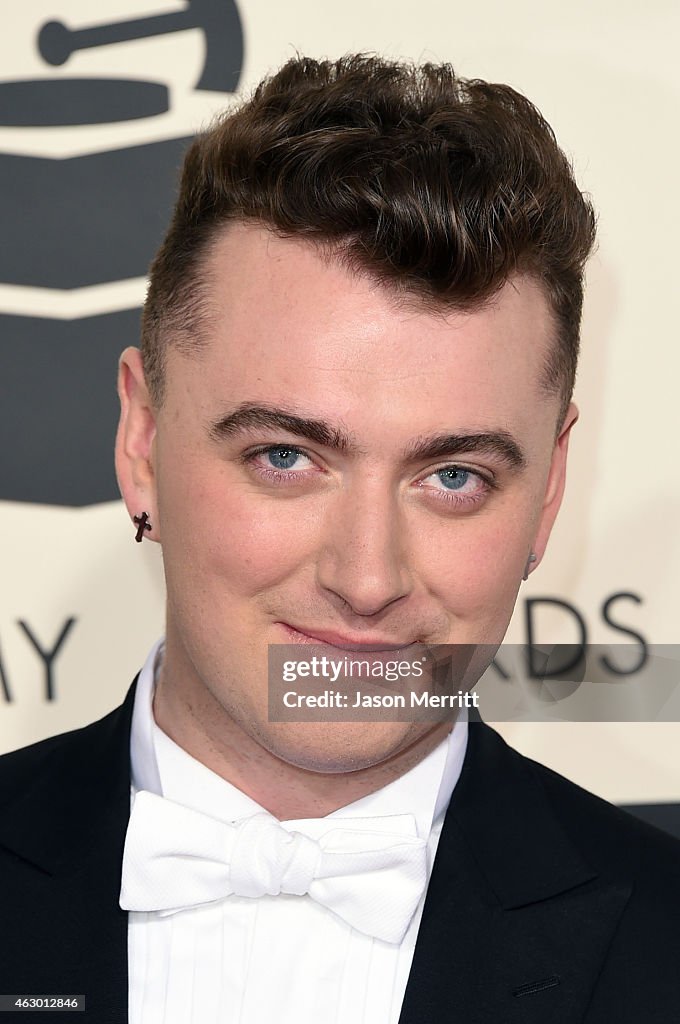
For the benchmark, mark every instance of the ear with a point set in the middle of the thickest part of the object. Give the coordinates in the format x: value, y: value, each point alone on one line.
x: 554, y: 488
x: 134, y: 441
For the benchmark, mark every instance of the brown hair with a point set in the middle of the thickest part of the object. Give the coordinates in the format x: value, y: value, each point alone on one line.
x: 437, y: 186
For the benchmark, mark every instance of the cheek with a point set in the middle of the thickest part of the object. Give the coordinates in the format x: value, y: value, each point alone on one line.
x: 477, y: 571
x: 211, y: 531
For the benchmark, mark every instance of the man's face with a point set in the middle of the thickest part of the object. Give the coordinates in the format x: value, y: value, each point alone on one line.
x: 264, y: 527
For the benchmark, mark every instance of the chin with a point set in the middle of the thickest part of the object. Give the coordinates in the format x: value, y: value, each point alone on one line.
x: 338, y: 747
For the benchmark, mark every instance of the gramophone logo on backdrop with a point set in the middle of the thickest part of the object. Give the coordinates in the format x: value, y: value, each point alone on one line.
x: 91, y: 222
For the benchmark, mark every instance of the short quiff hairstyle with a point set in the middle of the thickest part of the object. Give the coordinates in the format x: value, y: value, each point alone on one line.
x: 438, y: 187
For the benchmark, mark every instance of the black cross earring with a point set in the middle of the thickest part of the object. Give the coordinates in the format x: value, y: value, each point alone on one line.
x: 142, y: 525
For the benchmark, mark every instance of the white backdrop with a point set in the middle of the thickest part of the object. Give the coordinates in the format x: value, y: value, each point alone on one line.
x: 607, y: 77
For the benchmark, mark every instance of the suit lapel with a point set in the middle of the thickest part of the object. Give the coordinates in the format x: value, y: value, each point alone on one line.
x: 67, y: 834
x: 516, y: 924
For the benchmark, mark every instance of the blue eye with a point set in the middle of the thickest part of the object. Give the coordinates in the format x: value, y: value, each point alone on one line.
x: 453, y: 478
x: 279, y: 462
x: 283, y: 458
x: 459, y: 486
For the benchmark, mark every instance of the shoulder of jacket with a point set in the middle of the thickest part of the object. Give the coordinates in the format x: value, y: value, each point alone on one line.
x: 20, y: 768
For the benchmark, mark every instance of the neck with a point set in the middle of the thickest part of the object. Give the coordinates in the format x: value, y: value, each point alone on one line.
x: 195, y: 720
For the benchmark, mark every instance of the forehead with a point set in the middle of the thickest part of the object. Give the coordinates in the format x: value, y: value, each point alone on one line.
x: 283, y: 322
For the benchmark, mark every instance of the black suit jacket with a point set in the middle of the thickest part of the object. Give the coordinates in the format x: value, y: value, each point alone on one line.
x: 546, y: 905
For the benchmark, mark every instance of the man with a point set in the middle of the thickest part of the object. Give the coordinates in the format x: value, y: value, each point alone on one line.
x: 347, y: 427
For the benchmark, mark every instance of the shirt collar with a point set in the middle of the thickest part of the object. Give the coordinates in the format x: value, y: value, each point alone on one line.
x: 158, y: 764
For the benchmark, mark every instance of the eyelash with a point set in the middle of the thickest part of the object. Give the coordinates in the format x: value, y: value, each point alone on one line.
x: 282, y: 478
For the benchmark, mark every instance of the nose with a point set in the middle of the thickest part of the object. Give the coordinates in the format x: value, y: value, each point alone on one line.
x: 363, y: 557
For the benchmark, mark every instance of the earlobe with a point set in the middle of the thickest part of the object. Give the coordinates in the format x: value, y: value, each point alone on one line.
x: 134, y: 441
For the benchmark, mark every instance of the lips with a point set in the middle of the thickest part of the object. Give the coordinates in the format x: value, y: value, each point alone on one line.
x: 301, y: 635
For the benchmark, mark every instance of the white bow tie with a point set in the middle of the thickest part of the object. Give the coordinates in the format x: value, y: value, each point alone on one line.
x: 371, y: 872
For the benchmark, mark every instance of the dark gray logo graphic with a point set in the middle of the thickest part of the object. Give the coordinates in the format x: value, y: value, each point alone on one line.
x: 74, y: 222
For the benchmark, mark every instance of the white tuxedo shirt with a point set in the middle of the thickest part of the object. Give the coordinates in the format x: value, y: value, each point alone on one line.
x: 278, y: 958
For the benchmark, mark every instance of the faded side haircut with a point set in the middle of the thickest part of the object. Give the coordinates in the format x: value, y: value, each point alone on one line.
x: 438, y: 187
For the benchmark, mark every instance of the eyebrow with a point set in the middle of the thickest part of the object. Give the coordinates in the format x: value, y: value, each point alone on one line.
x: 249, y: 416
